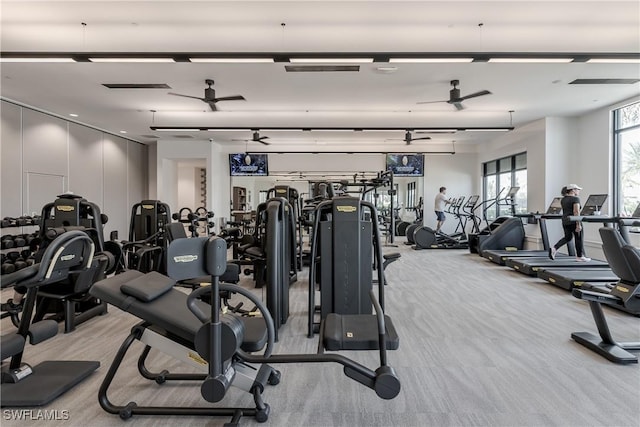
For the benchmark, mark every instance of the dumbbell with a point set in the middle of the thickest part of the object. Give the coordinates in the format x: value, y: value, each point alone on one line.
x: 6, y: 222
x: 7, y: 268
x: 19, y: 241
x: 20, y: 263
x: 13, y: 256
x: 25, y: 253
x: 30, y: 261
x: 7, y: 242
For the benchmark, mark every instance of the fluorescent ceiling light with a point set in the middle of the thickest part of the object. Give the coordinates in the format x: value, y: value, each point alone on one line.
x: 531, y: 60
x: 330, y: 60
x: 73, y: 114
x: 430, y: 60
x: 34, y: 59
x: 614, y: 60
x: 131, y: 60
x: 231, y: 60
x: 486, y: 130
x: 178, y: 130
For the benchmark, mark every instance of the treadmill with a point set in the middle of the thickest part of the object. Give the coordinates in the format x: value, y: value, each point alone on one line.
x: 531, y: 266
x: 572, y: 278
x: 569, y: 278
x: 499, y: 256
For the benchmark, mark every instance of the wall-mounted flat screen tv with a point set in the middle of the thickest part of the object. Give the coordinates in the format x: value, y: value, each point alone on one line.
x: 403, y: 164
x: 244, y: 164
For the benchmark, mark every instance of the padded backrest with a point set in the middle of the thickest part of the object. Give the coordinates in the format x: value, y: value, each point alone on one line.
x: 612, y: 243
x: 632, y: 255
x: 175, y: 230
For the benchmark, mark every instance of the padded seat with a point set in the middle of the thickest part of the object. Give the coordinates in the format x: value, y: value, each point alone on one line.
x: 357, y: 332
x: 255, y: 252
x: 169, y: 310
x: 612, y: 244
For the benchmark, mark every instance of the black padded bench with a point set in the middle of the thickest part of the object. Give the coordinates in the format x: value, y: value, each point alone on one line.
x: 152, y: 298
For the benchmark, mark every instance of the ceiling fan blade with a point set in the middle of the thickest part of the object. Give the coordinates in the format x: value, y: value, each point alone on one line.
x: 430, y: 102
x: 212, y: 105
x: 458, y: 105
x: 230, y: 98
x: 263, y: 142
x: 187, y: 96
x: 473, y: 95
x: 423, y: 137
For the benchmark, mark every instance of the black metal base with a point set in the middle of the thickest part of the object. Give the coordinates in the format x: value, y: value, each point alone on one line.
x: 260, y: 411
x: 615, y: 352
x: 48, y: 381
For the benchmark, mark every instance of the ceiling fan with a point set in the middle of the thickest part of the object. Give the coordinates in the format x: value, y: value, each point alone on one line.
x: 455, y: 98
x: 210, y: 96
x: 255, y: 138
x: 408, y: 138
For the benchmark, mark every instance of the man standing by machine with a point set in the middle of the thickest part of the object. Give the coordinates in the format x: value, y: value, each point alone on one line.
x: 440, y: 202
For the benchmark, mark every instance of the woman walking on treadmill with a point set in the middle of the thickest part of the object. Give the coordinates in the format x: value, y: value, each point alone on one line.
x: 571, y: 207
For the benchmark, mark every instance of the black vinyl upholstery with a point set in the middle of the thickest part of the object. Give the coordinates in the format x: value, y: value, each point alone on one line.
x: 612, y: 243
x: 169, y: 311
x: 632, y: 255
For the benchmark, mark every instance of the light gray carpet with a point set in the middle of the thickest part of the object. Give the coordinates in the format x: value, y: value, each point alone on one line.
x: 480, y: 345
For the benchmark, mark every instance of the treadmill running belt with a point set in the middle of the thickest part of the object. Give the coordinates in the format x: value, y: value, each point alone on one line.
x: 530, y: 266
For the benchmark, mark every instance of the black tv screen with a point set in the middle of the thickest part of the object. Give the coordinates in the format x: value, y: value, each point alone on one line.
x: 406, y: 164
x: 243, y: 164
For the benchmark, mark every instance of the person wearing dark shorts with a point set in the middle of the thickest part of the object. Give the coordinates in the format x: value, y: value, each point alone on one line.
x: 572, y: 229
x: 440, y: 202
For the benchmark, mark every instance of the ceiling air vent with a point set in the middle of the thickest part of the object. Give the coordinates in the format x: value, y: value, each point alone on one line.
x: 604, y: 81
x: 182, y: 136
x: 136, y: 85
x: 320, y: 68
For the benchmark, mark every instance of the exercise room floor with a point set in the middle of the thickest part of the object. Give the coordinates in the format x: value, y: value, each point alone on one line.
x: 480, y: 345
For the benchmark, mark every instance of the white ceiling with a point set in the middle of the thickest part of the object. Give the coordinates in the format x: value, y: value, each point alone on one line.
x: 368, y: 98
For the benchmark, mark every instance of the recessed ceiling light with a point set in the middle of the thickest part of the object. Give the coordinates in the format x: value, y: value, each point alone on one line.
x: 614, y: 61
x: 131, y: 59
x: 232, y: 60
x: 35, y: 59
x: 430, y: 60
x: 123, y: 131
x: 531, y: 60
x: 73, y: 114
x: 387, y: 69
x: 331, y: 60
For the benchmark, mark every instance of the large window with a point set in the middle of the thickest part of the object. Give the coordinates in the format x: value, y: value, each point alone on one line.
x: 627, y: 159
x: 498, y: 177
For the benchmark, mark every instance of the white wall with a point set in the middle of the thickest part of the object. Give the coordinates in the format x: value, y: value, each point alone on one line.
x: 186, y: 186
x: 43, y: 156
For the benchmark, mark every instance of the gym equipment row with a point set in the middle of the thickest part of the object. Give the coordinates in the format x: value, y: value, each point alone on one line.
x: 614, y: 283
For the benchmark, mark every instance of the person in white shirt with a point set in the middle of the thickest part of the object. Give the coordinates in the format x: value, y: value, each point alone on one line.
x: 440, y: 203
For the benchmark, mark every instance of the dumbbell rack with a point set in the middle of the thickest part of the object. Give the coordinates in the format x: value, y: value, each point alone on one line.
x: 15, y: 249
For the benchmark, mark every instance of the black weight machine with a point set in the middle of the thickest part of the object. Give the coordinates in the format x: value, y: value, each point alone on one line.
x: 292, y: 196
x: 71, y: 254
x: 145, y: 249
x: 222, y: 347
x: 69, y: 300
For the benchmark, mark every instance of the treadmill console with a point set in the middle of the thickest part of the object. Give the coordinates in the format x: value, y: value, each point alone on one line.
x: 593, y: 204
x: 555, y: 207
